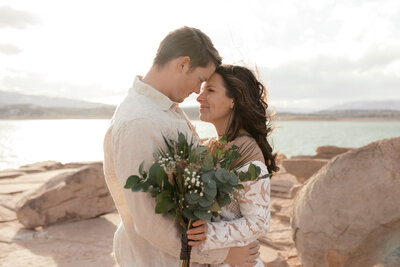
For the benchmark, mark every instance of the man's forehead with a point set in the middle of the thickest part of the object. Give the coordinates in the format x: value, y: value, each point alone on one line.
x: 210, y: 73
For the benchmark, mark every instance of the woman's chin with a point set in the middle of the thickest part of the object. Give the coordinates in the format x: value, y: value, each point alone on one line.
x: 203, y: 118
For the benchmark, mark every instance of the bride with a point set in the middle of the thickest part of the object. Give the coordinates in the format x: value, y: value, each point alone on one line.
x: 233, y: 101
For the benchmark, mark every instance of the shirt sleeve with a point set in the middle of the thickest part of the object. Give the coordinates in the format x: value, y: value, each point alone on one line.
x: 254, y: 203
x: 132, y: 143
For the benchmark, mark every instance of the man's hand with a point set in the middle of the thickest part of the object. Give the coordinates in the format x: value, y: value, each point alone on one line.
x: 198, y: 233
x: 243, y: 256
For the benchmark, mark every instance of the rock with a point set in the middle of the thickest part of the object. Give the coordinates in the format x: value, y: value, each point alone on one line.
x: 291, y: 194
x: 279, y: 236
x: 45, y: 165
x: 10, y: 174
x: 73, y: 195
x: 6, y: 214
x: 280, y: 157
x: 348, y: 213
x: 27, y: 182
x: 302, y: 157
x: 74, y: 165
x: 303, y: 168
x: 329, y: 152
x: 271, y: 257
x: 281, y: 184
x: 332, y: 150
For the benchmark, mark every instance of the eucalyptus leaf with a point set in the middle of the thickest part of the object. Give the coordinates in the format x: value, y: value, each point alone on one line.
x: 210, y: 191
x: 189, y: 198
x: 204, y: 202
x: 189, y: 214
x: 205, y: 178
x: 204, y: 215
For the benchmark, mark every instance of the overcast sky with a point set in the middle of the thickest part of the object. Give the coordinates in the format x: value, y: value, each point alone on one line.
x: 310, y: 54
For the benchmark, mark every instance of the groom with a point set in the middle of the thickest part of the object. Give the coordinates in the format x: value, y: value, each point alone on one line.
x: 185, y: 58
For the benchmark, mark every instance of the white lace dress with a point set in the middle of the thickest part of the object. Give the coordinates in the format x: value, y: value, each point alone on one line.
x: 245, y: 219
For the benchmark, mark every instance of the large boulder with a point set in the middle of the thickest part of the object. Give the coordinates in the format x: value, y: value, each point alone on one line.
x: 73, y: 194
x: 303, y: 168
x: 348, y: 214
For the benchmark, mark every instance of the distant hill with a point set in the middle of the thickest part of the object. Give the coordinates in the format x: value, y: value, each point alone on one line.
x: 12, y: 98
x: 331, y: 115
x: 20, y: 106
x: 369, y: 105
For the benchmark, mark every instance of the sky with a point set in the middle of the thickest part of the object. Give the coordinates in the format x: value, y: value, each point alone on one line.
x: 310, y: 54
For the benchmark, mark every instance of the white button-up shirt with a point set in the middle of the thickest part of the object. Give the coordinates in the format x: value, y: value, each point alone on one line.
x: 145, y: 238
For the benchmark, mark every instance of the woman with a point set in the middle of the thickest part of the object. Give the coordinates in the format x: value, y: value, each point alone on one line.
x: 233, y: 101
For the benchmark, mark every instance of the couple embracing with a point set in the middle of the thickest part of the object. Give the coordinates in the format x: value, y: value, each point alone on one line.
x: 232, y: 99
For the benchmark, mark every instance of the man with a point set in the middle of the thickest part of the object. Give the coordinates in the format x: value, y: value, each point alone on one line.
x: 185, y: 59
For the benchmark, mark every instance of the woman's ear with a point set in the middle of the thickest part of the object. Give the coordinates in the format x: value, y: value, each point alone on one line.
x: 232, y: 104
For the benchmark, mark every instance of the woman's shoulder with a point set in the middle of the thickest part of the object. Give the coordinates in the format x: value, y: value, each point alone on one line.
x: 248, y: 148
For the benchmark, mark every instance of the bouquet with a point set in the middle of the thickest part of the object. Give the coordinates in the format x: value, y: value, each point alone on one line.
x: 192, y: 182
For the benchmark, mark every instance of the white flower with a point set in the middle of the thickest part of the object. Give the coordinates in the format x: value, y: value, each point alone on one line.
x: 201, y: 194
x: 193, y: 180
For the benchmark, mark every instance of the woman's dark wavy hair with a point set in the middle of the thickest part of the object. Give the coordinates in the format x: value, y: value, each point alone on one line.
x: 249, y: 110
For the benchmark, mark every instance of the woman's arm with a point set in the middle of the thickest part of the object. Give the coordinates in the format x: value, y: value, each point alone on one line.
x: 254, y: 202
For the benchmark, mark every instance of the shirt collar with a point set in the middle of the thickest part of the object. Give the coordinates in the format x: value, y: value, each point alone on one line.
x: 159, y: 98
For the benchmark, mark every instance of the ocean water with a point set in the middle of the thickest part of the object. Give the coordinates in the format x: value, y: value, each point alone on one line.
x: 29, y: 141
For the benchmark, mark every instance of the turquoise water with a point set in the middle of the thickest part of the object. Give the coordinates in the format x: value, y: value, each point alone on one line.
x: 303, y: 137
x: 28, y: 141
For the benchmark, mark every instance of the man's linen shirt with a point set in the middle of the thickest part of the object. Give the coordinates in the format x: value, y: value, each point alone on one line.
x: 136, y: 132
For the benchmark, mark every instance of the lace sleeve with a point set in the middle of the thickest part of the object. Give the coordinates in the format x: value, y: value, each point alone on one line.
x: 254, y: 202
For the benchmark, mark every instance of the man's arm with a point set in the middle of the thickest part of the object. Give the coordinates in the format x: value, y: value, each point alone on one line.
x: 132, y: 143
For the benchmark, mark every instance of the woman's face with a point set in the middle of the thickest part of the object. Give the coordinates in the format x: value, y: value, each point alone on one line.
x: 215, y: 106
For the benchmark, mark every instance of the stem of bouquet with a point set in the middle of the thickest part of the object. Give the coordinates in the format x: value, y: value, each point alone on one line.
x: 184, y: 260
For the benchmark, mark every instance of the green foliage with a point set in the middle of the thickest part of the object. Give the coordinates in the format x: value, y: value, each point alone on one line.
x: 200, y: 183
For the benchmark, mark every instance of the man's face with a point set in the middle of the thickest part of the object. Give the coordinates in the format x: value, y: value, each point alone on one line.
x: 192, y: 80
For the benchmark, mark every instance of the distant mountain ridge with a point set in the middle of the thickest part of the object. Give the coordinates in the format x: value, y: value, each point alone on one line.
x: 368, y: 105
x: 20, y: 106
x: 12, y: 98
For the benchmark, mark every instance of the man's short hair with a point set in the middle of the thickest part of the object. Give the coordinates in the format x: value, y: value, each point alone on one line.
x: 191, y: 42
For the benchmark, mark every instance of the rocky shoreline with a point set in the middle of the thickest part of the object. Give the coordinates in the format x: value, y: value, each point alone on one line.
x: 54, y: 214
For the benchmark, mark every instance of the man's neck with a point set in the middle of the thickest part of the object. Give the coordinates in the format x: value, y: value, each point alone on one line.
x: 158, y: 79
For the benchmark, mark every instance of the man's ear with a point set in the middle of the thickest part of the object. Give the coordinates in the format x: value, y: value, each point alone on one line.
x: 183, y: 64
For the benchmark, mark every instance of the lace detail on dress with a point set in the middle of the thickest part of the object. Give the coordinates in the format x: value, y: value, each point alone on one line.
x: 245, y: 219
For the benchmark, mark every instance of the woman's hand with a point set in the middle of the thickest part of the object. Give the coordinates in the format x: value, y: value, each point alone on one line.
x: 198, y: 233
x: 244, y: 256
